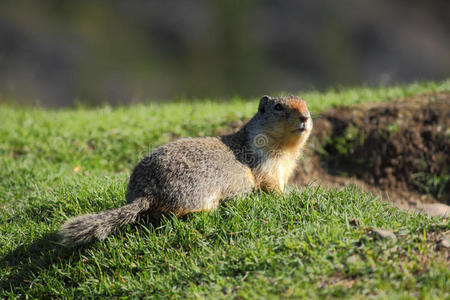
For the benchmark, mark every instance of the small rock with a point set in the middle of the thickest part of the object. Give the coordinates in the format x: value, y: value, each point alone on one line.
x: 435, y: 209
x: 383, y: 234
x: 444, y: 241
x: 391, y: 250
x: 353, y: 259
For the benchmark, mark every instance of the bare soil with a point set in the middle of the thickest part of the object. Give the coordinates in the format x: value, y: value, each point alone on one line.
x: 399, y: 150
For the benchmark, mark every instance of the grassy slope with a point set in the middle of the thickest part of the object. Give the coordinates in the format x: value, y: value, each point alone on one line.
x: 295, y: 245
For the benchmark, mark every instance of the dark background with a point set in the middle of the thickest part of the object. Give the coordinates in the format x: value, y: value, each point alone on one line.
x: 59, y: 52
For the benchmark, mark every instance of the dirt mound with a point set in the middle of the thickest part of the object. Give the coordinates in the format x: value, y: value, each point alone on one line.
x: 404, y: 144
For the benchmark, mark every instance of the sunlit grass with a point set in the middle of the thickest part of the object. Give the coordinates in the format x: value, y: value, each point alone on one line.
x: 295, y: 245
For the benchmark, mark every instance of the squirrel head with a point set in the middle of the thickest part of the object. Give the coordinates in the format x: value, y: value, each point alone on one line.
x: 286, y: 120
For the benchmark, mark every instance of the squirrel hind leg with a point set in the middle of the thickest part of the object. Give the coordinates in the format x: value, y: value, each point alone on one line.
x: 205, y: 203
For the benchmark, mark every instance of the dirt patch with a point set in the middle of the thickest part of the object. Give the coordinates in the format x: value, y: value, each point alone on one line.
x: 403, y: 144
x: 399, y: 150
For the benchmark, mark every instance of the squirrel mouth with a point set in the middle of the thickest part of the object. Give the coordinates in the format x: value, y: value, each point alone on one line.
x: 300, y: 129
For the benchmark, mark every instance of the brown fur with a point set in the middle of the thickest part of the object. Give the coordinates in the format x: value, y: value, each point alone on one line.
x: 195, y: 174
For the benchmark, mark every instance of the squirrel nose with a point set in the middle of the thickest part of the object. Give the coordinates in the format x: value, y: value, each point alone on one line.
x: 303, y: 119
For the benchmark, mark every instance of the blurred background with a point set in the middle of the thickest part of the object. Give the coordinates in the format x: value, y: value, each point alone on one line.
x: 56, y: 53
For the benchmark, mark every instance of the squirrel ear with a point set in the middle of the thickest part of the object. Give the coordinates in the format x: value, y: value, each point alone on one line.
x: 263, y: 103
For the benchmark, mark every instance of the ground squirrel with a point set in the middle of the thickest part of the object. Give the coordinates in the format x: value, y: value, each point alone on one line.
x: 195, y: 174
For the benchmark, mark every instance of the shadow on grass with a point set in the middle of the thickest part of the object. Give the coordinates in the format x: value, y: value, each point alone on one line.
x: 26, y: 262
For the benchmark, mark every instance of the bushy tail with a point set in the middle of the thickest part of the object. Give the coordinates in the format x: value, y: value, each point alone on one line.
x: 86, y: 228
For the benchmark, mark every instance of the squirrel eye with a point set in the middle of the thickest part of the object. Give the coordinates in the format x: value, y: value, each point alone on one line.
x: 278, y: 107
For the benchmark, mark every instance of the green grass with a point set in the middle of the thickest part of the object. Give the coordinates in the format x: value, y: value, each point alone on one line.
x: 262, y: 246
